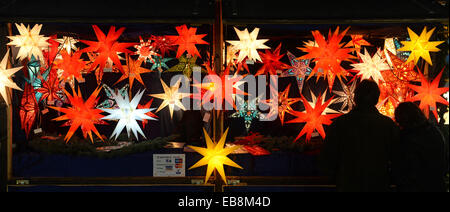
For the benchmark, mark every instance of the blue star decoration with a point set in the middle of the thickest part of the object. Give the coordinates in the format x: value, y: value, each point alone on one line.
x: 160, y: 63
x: 300, y: 70
x: 249, y: 112
x: 34, y: 71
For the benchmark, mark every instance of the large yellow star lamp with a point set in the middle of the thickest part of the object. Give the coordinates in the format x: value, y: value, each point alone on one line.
x: 420, y: 46
x: 215, y: 156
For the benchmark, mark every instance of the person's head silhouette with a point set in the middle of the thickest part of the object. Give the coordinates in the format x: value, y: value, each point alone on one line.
x: 408, y: 115
x: 367, y: 94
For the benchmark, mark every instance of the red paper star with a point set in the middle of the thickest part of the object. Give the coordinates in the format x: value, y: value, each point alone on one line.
x: 50, y: 88
x: 218, y: 93
x: 271, y: 62
x: 28, y: 108
x: 133, y: 70
x: 313, y: 117
x: 146, y: 51
x: 71, y: 66
x: 162, y: 44
x: 187, y: 40
x: 428, y: 94
x: 251, y: 142
x: 147, y: 106
x: 357, y: 41
x: 107, y: 47
x: 81, y: 114
x: 328, y: 55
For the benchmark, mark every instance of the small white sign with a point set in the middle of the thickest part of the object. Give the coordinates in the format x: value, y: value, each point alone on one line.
x: 250, y: 62
x: 37, y: 131
x: 169, y: 165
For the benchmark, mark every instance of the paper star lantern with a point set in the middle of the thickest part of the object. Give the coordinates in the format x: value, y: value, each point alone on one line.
x: 250, y: 144
x: 160, y: 63
x: 68, y: 43
x: 150, y: 114
x: 82, y: 114
x: 346, y: 97
x: 219, y: 93
x: 70, y: 67
x: 110, y: 93
x: 215, y: 156
x: 248, y: 44
x: 28, y: 109
x: 107, y: 47
x: 248, y: 111
x: 163, y: 44
x: 314, y: 100
x: 371, y: 67
x: 314, y: 118
x: 328, y: 55
x: 5, y: 78
x: 49, y: 89
x: 387, y: 106
x: 171, y: 97
x: 283, y: 103
x: 271, y: 62
x: 420, y: 46
x: 127, y: 114
x: 132, y: 71
x: 29, y: 41
x: 429, y: 94
x: 357, y: 41
x: 146, y: 51
x: 300, y: 69
x: 185, y: 65
x: 186, y: 40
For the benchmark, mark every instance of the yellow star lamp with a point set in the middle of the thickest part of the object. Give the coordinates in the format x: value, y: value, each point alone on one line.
x: 420, y: 46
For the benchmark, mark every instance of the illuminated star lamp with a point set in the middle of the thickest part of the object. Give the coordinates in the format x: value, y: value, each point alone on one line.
x: 429, y: 93
x: 163, y: 44
x: 283, y: 103
x: 271, y: 62
x: 248, y: 111
x: 107, y: 47
x: 29, y: 41
x: 346, y: 96
x: 127, y: 114
x: 171, y: 97
x: 68, y: 43
x: 420, y: 46
x: 146, y: 50
x: 132, y: 71
x: 186, y: 40
x: 313, y: 117
x: 28, y: 109
x: 314, y: 100
x: 81, y: 114
x: 49, y: 89
x: 185, y: 65
x: 218, y: 93
x: 357, y: 42
x: 300, y: 69
x: 371, y: 67
x: 5, y: 78
x: 70, y: 67
x: 215, y: 156
x: 328, y: 56
x: 248, y: 44
x: 160, y: 63
x: 146, y: 106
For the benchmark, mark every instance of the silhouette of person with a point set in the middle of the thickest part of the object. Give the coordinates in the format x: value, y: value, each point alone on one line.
x: 357, y: 151
x: 421, y: 162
